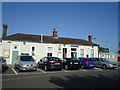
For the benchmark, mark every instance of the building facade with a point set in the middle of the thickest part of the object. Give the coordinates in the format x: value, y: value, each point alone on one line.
x: 40, y: 46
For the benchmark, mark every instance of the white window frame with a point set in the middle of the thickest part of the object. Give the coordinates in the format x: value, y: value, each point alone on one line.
x: 48, y: 52
x: 34, y: 51
x: 83, y: 52
x: 92, y: 54
x: 74, y: 51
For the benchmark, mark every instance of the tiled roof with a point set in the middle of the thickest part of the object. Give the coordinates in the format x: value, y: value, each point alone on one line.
x: 47, y: 39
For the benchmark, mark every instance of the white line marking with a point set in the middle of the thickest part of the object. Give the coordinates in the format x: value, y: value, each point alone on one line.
x: 14, y: 71
x: 98, y: 69
x: 84, y: 70
x: 41, y: 71
x: 65, y: 71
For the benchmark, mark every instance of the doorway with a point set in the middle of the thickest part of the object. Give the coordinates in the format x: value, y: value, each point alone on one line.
x: 64, y: 52
x: 14, y: 56
x: 73, y: 52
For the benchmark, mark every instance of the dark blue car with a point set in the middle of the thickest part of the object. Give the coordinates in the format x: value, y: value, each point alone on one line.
x: 86, y: 63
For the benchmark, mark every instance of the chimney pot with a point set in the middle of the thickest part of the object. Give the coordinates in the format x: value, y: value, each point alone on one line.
x: 55, y: 33
x: 90, y: 38
x: 5, y: 26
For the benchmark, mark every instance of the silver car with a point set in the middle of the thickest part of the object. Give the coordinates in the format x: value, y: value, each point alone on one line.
x: 3, y: 64
x: 103, y: 63
x: 25, y: 62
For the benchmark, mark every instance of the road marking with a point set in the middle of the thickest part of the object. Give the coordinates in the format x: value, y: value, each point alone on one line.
x: 84, y: 70
x: 14, y: 71
x: 41, y: 71
x: 98, y: 69
x: 65, y: 70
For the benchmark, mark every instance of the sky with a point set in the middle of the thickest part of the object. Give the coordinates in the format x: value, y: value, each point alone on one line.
x: 70, y: 19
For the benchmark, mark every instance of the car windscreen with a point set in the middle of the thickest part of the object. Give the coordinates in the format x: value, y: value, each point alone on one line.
x: 53, y: 59
x: 71, y: 59
x: 89, y: 59
x: 27, y: 58
x: 104, y: 60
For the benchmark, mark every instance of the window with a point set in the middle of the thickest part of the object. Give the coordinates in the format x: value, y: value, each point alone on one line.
x: 73, y: 49
x: 27, y: 58
x: 92, y: 52
x: 81, y: 52
x: 49, y: 50
x: 49, y: 54
x: 33, y: 50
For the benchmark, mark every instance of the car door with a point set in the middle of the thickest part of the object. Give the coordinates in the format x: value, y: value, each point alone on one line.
x: 99, y: 63
x: 41, y: 62
x: 96, y: 61
x: 17, y: 61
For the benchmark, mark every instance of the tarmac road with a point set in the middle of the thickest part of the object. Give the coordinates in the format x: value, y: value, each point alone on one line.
x: 83, y: 78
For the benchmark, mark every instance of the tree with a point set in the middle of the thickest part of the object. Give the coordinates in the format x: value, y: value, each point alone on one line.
x: 119, y: 51
x: 101, y: 49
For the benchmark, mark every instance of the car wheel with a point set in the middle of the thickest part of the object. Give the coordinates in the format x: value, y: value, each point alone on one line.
x: 104, y: 67
x: 66, y: 67
x: 82, y: 66
x: 45, y: 68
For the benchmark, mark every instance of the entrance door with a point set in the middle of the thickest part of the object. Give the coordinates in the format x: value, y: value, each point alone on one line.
x: 73, y: 54
x: 14, y: 56
x: 64, y: 52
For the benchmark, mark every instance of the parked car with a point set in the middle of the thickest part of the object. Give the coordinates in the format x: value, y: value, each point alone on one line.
x: 50, y: 63
x: 3, y: 65
x: 71, y: 63
x: 104, y: 64
x: 86, y: 63
x: 118, y: 58
x: 25, y: 62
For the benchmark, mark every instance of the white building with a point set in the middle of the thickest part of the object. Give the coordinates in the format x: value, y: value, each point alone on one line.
x: 39, y: 46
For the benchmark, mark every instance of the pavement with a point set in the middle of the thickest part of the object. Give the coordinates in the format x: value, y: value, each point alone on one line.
x: 83, y: 78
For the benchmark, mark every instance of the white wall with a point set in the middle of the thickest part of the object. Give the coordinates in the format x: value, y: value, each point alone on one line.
x: 41, y: 49
x: 1, y: 49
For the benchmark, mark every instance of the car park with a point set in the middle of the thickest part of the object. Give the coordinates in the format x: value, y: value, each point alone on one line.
x: 25, y: 62
x: 50, y: 63
x: 3, y: 62
x: 104, y: 64
x: 86, y: 63
x: 71, y: 63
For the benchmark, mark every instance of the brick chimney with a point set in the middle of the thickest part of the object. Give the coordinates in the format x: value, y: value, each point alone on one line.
x: 90, y: 38
x: 4, y: 30
x: 55, y: 34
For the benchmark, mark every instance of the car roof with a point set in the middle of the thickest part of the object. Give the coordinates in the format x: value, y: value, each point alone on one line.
x: 24, y: 55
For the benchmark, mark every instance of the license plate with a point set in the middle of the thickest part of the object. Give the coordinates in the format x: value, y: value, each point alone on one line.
x: 91, y: 65
x: 57, y: 63
x: 29, y: 67
x: 75, y: 63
